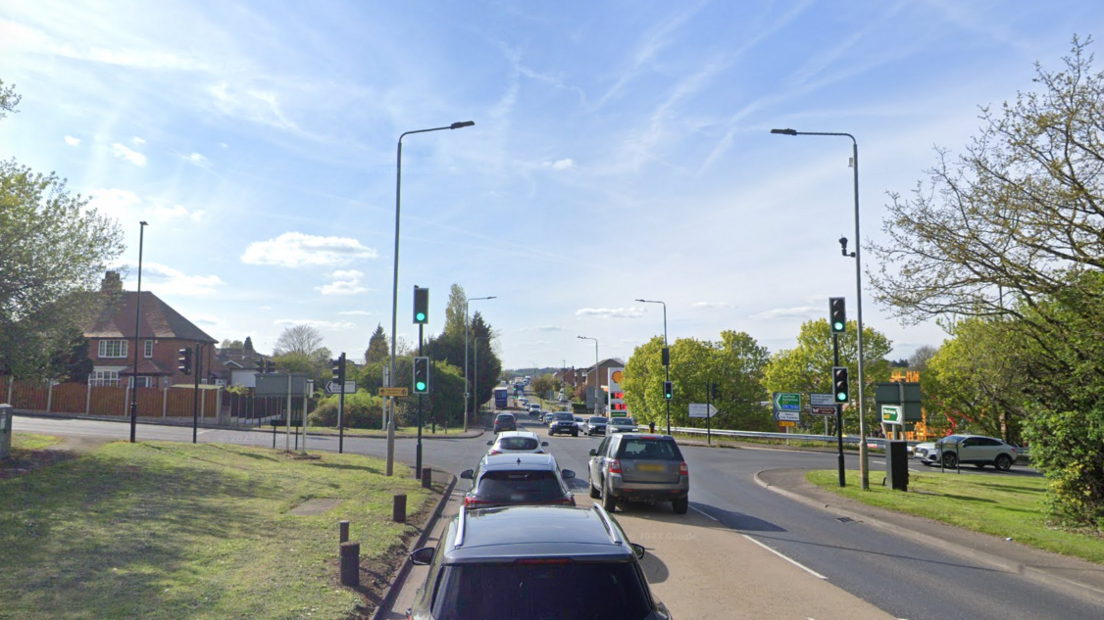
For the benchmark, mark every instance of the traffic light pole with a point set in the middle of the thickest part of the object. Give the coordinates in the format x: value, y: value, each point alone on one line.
x: 708, y: 418
x: 839, y: 416
x: 418, y: 449
x: 195, y: 394
x: 341, y: 410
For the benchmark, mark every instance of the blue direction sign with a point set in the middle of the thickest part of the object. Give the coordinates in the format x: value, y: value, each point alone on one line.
x: 787, y: 406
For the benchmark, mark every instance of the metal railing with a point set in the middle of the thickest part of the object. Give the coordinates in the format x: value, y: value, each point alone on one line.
x: 871, y: 442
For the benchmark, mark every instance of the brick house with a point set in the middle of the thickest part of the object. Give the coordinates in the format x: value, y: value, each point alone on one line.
x: 162, y: 332
x: 603, y: 374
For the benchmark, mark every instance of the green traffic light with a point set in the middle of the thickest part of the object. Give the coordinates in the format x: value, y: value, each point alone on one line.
x: 421, y: 386
x: 841, y: 396
x: 839, y: 327
x: 421, y: 316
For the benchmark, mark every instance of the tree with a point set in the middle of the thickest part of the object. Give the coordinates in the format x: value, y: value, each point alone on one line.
x: 489, y: 365
x: 542, y: 385
x: 454, y: 311
x: 53, y: 249
x: 231, y: 344
x: 920, y: 358
x: 377, y: 346
x: 304, y: 339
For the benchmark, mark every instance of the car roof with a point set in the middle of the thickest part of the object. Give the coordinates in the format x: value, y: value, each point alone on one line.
x: 518, y: 460
x: 529, y: 434
x: 511, y: 532
x: 644, y: 436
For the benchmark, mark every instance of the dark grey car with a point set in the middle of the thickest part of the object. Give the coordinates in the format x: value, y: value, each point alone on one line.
x: 534, y: 563
x: 639, y: 467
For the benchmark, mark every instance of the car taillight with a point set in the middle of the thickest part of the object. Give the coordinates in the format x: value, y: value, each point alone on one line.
x: 683, y: 469
x: 615, y: 466
x: 493, y: 452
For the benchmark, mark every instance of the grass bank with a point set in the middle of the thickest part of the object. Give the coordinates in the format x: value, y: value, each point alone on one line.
x: 1005, y: 506
x: 32, y: 441
x: 173, y: 530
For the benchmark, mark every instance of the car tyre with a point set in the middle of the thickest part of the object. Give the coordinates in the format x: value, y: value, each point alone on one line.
x: 1003, y: 462
x: 594, y: 492
x: 609, y: 502
x: 950, y: 460
x: 575, y: 434
x: 681, y: 505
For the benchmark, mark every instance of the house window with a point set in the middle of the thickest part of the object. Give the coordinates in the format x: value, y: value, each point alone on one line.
x: 149, y: 349
x: 104, y: 378
x: 113, y: 348
x: 142, y: 381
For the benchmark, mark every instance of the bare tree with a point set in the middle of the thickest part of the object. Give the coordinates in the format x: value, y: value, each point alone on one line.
x: 303, y: 339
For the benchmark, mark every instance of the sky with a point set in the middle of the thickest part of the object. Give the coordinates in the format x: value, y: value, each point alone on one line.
x: 621, y: 150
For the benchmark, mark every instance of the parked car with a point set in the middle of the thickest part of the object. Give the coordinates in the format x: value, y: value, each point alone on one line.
x: 506, y: 479
x: 505, y: 422
x: 534, y: 562
x: 976, y: 450
x: 639, y: 467
x: 563, y: 423
x: 517, y: 441
x: 596, y: 424
x: 621, y: 425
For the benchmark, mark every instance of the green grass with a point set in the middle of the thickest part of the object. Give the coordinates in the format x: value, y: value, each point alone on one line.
x: 31, y: 441
x: 375, y: 432
x: 173, y: 530
x: 1005, y: 506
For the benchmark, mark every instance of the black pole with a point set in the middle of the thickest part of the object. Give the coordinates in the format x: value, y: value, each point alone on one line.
x: 839, y: 415
x: 137, y: 323
x: 418, y: 450
x: 195, y: 394
x: 708, y: 418
x: 341, y: 410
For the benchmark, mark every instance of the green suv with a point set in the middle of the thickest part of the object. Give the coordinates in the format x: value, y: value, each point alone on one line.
x: 534, y: 562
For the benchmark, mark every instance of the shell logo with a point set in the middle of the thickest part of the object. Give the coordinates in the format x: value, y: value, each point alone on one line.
x: 616, y: 376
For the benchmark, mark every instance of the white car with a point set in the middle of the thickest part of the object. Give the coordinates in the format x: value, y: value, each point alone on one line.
x: 621, y: 425
x: 975, y: 450
x: 510, y: 442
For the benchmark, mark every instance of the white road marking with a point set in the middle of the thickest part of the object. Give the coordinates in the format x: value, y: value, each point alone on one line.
x: 699, y: 511
x: 788, y: 559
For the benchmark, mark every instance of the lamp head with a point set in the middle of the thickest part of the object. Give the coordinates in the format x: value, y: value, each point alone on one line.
x: 785, y: 132
x: 144, y: 223
x: 460, y: 124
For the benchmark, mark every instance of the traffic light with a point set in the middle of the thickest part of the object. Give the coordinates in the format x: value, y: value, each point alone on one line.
x: 668, y: 389
x: 421, y: 305
x: 339, y: 370
x: 269, y: 366
x: 840, y: 384
x: 421, y: 374
x: 185, y: 360
x: 666, y: 356
x: 837, y: 315
x: 715, y: 391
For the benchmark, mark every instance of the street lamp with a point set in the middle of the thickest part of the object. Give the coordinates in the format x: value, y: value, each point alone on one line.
x: 395, y: 288
x: 667, y: 363
x: 475, y: 373
x: 597, y: 382
x: 137, y: 322
x: 467, y: 331
x: 857, y: 254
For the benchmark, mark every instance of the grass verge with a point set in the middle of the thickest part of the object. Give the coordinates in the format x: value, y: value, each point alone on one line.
x: 1005, y: 506
x: 172, y: 530
x: 32, y: 441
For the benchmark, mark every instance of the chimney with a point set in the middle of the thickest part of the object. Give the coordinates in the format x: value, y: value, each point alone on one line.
x: 111, y: 283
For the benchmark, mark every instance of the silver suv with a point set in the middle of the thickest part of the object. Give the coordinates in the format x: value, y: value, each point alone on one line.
x: 534, y: 562
x: 639, y: 467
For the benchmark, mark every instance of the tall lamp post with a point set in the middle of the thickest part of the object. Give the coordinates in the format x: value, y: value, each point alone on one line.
x: 137, y: 322
x: 467, y: 332
x: 666, y: 356
x: 395, y: 289
x: 857, y: 255
x: 475, y: 373
x: 597, y: 381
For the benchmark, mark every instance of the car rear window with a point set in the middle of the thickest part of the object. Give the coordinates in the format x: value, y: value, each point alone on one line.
x: 607, y: 590
x: 621, y: 421
x: 517, y: 443
x: 564, y: 416
x: 645, y: 448
x: 519, y: 486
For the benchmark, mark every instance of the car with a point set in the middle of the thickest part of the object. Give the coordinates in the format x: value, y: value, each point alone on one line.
x: 505, y: 422
x: 563, y: 422
x: 516, y: 441
x: 976, y: 450
x: 534, y: 409
x: 580, y: 421
x: 534, y: 562
x: 639, y: 466
x: 595, y: 424
x: 621, y: 425
x: 547, y: 417
x: 507, y: 479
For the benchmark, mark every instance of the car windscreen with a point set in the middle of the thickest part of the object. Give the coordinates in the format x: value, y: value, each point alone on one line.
x: 519, y: 486
x: 645, y: 448
x: 518, y: 443
x: 597, y: 420
x: 567, y: 591
x: 621, y: 421
x: 564, y: 416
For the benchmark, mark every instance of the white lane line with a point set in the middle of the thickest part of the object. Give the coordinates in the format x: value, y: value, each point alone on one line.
x: 699, y: 511
x: 788, y: 559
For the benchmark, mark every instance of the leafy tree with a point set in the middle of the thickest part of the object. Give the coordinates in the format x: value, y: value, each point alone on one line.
x: 231, y: 344
x: 305, y: 339
x: 489, y: 364
x: 920, y: 357
x: 8, y: 100
x: 377, y: 346
x: 542, y: 385
x: 454, y: 311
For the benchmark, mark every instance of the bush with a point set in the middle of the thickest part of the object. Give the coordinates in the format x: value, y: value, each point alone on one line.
x: 362, y: 410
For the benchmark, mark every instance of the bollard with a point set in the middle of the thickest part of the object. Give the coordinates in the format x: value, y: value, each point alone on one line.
x: 398, y: 510
x: 343, y: 528
x: 350, y: 564
x: 427, y: 477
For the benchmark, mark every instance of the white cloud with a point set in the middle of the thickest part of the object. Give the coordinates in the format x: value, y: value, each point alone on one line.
x: 295, y: 249
x: 713, y: 304
x: 164, y: 280
x: 71, y: 141
x: 122, y: 152
x: 344, y: 283
x: 543, y: 328
x: 178, y: 211
x: 561, y: 164
x: 114, y: 203
x: 800, y: 312
x: 197, y: 159
x: 611, y: 313
x: 137, y: 141
x: 336, y: 325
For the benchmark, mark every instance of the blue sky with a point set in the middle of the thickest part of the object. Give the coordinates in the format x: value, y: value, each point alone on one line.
x: 621, y: 150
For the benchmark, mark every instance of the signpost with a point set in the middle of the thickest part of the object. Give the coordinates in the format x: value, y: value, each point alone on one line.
x: 390, y: 391
x: 787, y: 406
x: 702, y: 410
x: 332, y: 387
x: 893, y: 414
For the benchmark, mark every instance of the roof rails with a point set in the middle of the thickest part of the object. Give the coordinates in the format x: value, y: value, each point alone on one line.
x: 460, y: 527
x: 611, y: 529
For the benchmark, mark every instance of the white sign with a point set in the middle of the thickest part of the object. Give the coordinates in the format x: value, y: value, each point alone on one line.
x: 701, y: 410
x: 333, y: 388
x: 788, y: 416
x: 821, y: 400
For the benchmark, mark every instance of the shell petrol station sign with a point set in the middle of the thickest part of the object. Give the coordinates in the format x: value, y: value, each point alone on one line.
x: 617, y: 406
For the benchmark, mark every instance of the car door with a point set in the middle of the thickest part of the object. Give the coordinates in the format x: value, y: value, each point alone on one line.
x: 988, y: 449
x: 598, y: 463
x: 969, y: 451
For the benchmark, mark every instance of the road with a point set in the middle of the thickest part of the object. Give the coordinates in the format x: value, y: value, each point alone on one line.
x: 891, y: 573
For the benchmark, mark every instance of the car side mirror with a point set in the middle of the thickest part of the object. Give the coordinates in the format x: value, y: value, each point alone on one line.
x: 544, y: 444
x: 422, y: 556
x: 467, y: 474
x: 593, y: 452
x: 490, y: 443
x: 567, y: 474
x: 637, y: 549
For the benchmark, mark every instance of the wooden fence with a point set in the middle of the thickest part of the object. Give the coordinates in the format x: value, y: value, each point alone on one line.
x: 82, y: 399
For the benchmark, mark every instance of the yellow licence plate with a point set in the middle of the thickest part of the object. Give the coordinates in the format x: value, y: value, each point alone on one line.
x: 649, y: 467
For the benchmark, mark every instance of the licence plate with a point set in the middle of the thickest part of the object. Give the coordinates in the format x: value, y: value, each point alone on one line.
x: 649, y: 467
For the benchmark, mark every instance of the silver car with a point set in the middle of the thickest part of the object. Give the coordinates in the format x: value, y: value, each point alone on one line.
x: 639, y: 467
x: 621, y: 425
x: 975, y: 450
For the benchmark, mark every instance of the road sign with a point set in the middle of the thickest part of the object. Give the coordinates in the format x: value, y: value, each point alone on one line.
x: 383, y: 391
x: 701, y: 410
x: 823, y: 400
x: 822, y: 409
x: 333, y: 387
x: 892, y: 414
x: 787, y: 423
x: 787, y: 406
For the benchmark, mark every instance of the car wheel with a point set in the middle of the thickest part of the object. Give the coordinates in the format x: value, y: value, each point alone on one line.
x: 681, y: 505
x: 608, y: 500
x: 575, y: 434
x: 1004, y: 462
x: 950, y: 460
x: 594, y: 493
